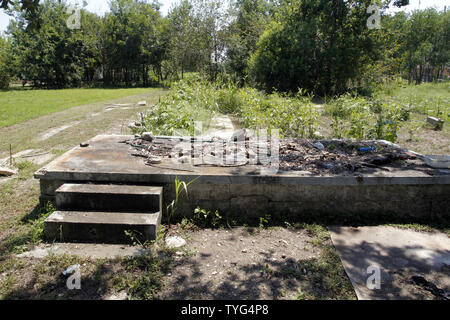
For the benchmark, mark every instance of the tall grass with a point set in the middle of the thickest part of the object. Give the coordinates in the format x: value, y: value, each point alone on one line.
x: 360, y: 118
x: 197, y: 100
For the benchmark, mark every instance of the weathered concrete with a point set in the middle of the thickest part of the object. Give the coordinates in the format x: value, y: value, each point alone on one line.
x: 84, y: 250
x: 100, y: 227
x: 399, y: 254
x: 115, y: 198
x: 407, y: 192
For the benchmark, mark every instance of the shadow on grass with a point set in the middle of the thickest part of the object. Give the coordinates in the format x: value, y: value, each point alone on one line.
x: 46, y: 280
x: 31, y: 229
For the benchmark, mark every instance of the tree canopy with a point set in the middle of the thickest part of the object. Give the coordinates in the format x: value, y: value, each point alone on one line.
x: 324, y: 47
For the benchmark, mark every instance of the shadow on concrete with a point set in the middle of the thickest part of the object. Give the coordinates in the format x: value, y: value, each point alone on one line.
x: 398, y: 264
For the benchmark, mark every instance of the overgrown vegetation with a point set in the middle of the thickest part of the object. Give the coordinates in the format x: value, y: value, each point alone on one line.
x: 143, y: 276
x: 190, y: 101
x: 352, y: 117
x: 362, y: 119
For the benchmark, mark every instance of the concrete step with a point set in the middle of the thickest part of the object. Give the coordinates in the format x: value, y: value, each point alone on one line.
x: 100, y: 227
x: 113, y: 197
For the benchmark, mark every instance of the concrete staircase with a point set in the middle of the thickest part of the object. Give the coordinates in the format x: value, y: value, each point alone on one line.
x: 102, y: 213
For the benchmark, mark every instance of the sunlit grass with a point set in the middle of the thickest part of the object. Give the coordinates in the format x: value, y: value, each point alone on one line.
x: 20, y: 105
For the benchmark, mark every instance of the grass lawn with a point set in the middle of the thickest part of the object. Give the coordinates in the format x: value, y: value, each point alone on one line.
x: 431, y: 99
x: 20, y: 105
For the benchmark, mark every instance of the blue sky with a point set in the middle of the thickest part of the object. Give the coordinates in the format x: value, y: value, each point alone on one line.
x: 101, y: 6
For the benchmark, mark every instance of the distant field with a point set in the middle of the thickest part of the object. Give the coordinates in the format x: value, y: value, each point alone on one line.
x: 428, y: 98
x: 20, y: 105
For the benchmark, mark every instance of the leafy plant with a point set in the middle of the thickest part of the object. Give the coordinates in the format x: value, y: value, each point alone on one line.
x: 180, y: 186
x: 264, y: 221
x: 205, y: 218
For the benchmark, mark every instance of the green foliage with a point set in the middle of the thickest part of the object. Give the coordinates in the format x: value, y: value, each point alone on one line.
x: 294, y: 116
x: 37, y: 225
x: 318, y: 45
x: 190, y: 101
x: 363, y: 119
x: 135, y: 42
x: 5, y: 54
x: 180, y: 186
x: 144, y: 275
x: 431, y: 99
x: 264, y: 221
x: 252, y: 17
x: 207, y: 219
x: 426, y: 46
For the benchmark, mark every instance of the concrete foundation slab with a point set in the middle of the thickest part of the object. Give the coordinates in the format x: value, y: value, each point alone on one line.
x: 406, y: 192
x: 398, y: 254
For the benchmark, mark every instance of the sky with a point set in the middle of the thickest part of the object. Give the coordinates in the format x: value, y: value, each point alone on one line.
x: 101, y: 6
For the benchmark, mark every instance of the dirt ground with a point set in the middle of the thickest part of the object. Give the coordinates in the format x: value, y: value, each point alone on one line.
x: 251, y: 263
x: 242, y: 263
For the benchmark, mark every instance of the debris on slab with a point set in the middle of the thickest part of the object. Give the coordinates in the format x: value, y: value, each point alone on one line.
x: 316, y: 157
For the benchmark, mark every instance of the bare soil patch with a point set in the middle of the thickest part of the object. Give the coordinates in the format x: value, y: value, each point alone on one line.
x: 248, y: 263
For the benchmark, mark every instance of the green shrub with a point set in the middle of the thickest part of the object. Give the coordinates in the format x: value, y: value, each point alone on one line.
x: 360, y: 118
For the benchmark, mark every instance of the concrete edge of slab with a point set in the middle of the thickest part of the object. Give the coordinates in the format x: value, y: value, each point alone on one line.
x: 241, y: 179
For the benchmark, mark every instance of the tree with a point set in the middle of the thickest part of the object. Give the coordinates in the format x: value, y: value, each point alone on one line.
x: 27, y: 7
x: 199, y: 31
x: 5, y: 62
x: 318, y: 45
x: 53, y: 55
x: 426, y: 45
x: 252, y: 16
x: 135, y: 41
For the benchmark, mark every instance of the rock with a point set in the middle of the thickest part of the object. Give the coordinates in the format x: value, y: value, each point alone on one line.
x: 184, y: 159
x: 175, y: 242
x: 436, y: 122
x: 240, y: 135
x: 154, y: 160
x: 142, y: 103
x: 147, y: 136
x: 319, y: 146
x: 244, y: 250
x: 120, y: 296
x: 7, y: 172
x: 318, y: 135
